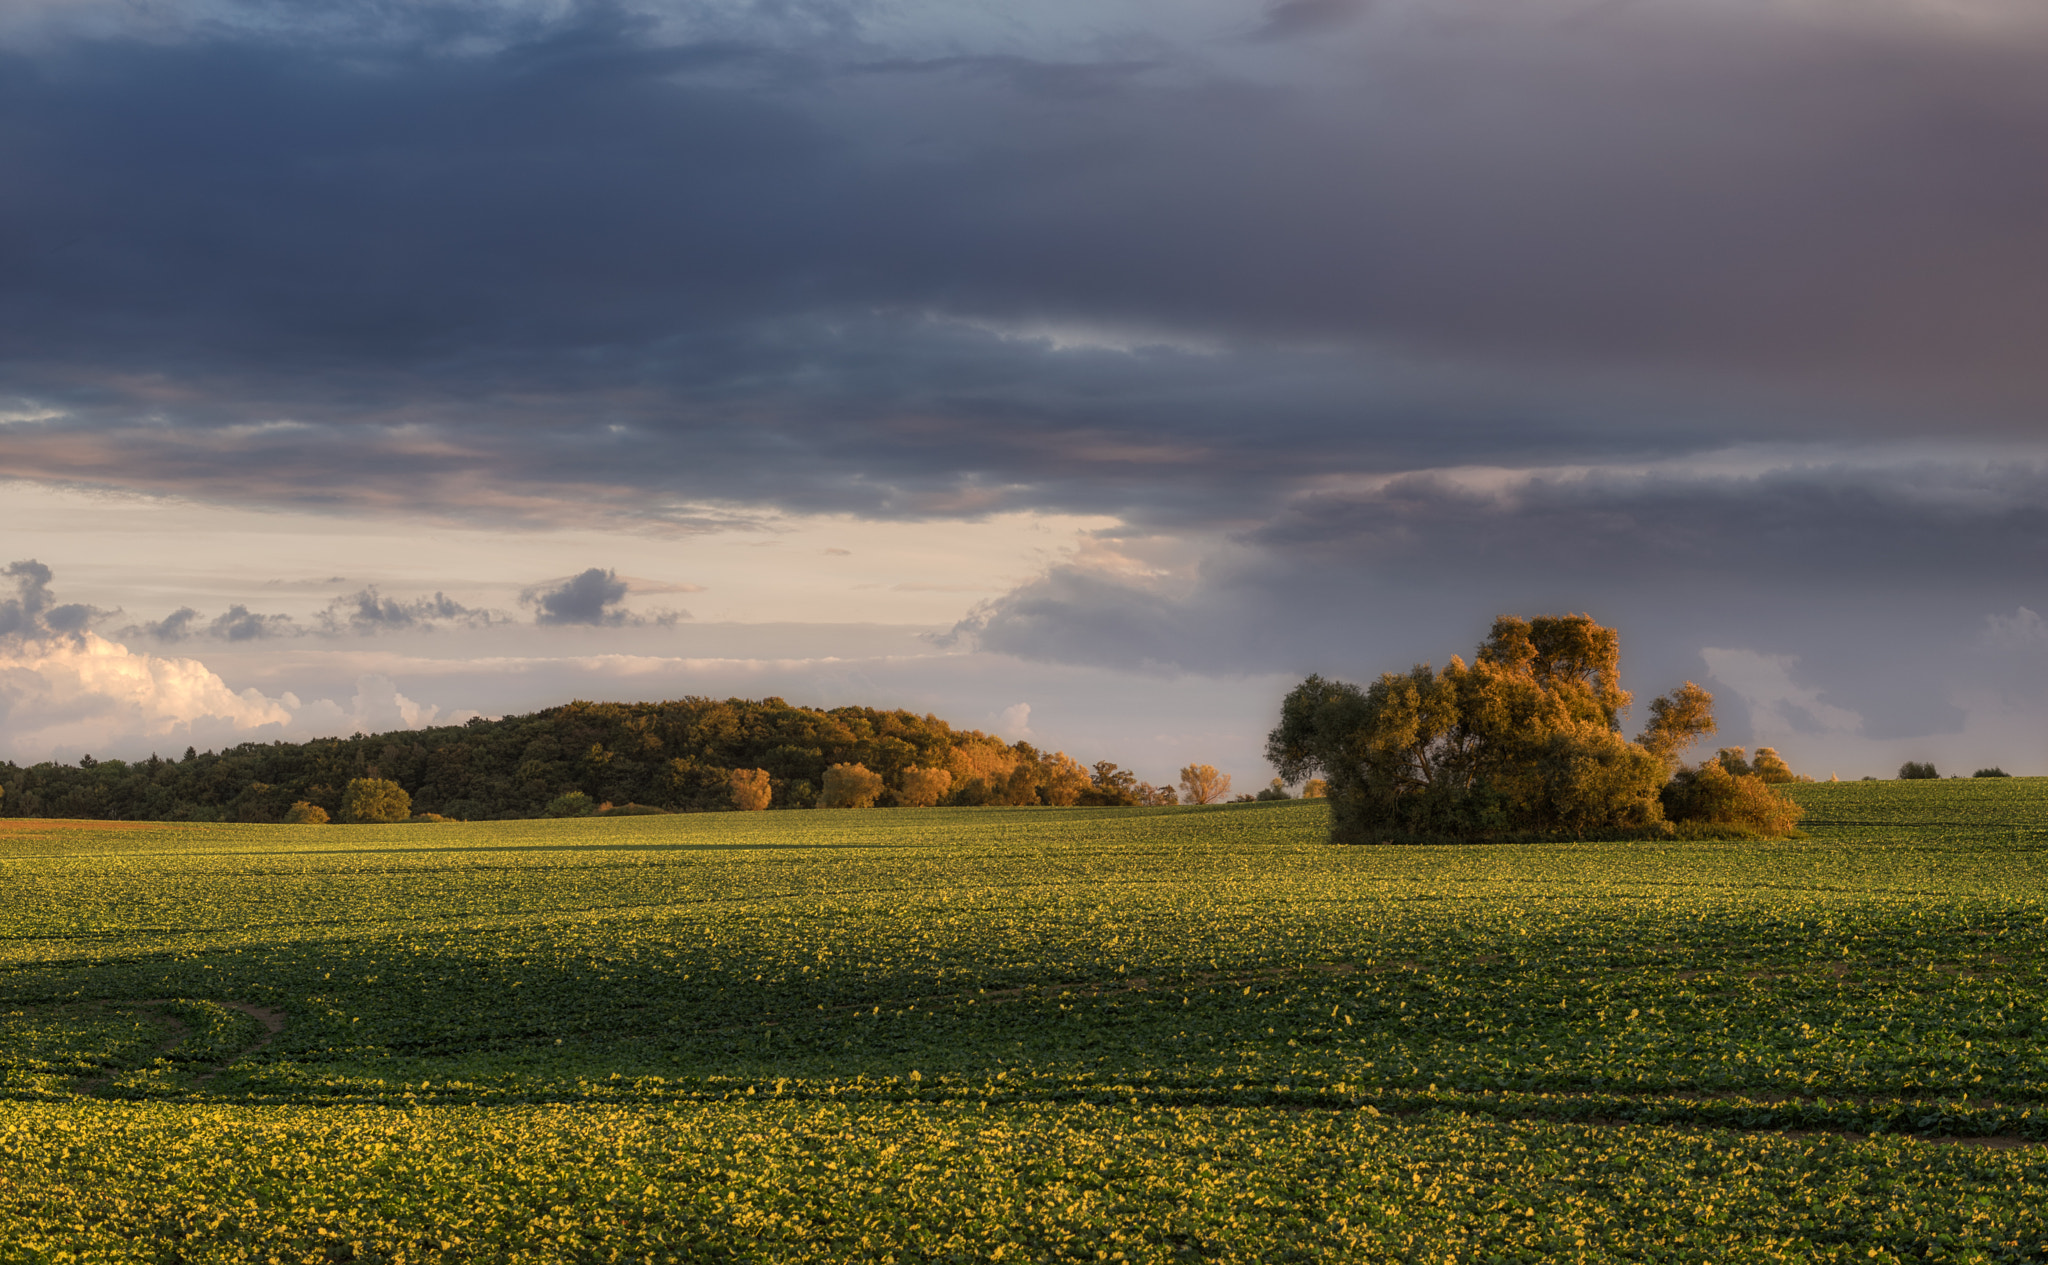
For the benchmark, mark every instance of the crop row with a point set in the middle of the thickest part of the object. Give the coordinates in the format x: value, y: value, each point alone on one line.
x: 814, y: 1183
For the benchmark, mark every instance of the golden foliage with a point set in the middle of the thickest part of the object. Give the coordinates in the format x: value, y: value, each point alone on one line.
x: 1202, y: 784
x: 751, y: 790
x: 850, y: 786
x: 923, y: 788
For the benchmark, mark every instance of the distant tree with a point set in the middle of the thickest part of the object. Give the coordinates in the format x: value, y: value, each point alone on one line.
x: 1202, y: 784
x: 752, y: 789
x: 1314, y: 788
x: 570, y: 804
x: 1914, y: 769
x: 375, y: 799
x: 850, y: 786
x: 1993, y: 771
x: 1155, y: 796
x: 303, y: 814
x: 1735, y: 760
x: 1276, y: 790
x: 923, y: 788
x: 1108, y: 777
x: 1110, y: 786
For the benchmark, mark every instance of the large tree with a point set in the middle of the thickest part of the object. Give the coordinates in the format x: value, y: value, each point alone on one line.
x: 1523, y: 741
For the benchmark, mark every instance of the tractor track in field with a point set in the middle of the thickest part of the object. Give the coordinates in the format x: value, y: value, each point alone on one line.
x: 273, y: 1022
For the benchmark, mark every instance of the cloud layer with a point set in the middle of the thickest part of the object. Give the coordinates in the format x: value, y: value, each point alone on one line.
x: 560, y: 260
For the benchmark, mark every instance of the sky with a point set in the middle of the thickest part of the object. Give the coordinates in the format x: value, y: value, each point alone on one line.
x: 1087, y: 373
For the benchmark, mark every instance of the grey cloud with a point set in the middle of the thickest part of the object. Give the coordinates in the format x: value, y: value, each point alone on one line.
x: 34, y: 611
x: 368, y: 612
x: 331, y: 271
x: 365, y: 612
x: 239, y: 623
x: 22, y: 614
x: 591, y: 597
x: 174, y: 627
x: 1292, y: 19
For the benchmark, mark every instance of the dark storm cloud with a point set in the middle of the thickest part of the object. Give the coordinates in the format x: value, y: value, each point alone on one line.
x: 487, y: 263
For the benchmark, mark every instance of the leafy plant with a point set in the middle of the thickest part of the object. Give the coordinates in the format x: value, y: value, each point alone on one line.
x: 375, y: 799
x: 1041, y: 1034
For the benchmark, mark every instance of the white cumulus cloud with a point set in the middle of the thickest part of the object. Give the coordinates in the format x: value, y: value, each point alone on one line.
x: 66, y: 695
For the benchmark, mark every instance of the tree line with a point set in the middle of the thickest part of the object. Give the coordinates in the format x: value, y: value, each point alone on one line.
x: 686, y: 755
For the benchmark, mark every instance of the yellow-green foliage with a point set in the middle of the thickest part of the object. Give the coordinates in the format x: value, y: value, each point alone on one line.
x: 375, y: 799
x: 305, y: 814
x: 830, y: 1182
x: 1184, y: 1033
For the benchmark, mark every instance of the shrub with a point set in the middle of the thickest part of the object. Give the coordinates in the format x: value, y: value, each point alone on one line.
x: 429, y: 818
x: 923, y: 788
x: 1913, y: 770
x: 751, y: 789
x: 850, y: 786
x: 1276, y: 790
x: 1712, y: 796
x: 1993, y: 771
x: 570, y: 804
x: 302, y: 813
x: 375, y: 799
x: 1202, y: 784
x: 1771, y: 768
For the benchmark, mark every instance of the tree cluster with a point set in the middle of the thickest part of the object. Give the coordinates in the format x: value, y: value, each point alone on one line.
x: 1524, y: 742
x: 688, y: 755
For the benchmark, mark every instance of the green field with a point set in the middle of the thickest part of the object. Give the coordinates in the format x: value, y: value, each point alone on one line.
x: 1028, y: 1034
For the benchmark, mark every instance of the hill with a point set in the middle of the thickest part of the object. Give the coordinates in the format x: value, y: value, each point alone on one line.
x: 675, y: 755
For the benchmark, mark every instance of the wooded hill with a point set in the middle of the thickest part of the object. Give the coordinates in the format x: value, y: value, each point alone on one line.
x: 676, y: 755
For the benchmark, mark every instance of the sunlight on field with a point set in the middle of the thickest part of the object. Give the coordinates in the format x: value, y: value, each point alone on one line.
x: 1027, y: 1034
